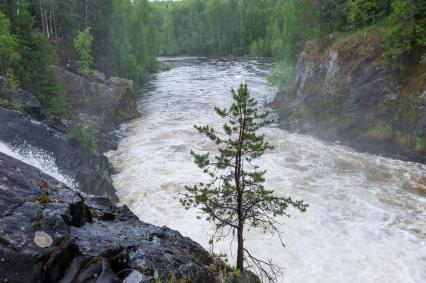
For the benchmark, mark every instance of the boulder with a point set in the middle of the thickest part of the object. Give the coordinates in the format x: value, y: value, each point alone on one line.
x: 51, y: 233
x: 119, y: 82
x: 104, y: 104
x: 96, y: 76
x: 22, y: 100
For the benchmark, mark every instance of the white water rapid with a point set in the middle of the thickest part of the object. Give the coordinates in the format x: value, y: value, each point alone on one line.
x: 45, y: 162
x: 367, y: 216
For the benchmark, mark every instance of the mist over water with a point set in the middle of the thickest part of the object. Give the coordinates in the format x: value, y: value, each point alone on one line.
x: 367, y: 216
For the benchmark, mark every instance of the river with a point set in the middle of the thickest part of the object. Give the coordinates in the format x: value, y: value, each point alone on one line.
x: 367, y: 216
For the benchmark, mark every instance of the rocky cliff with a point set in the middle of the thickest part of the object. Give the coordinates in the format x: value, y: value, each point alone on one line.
x: 22, y: 132
x: 343, y: 92
x: 98, y: 107
x: 100, y: 103
x: 51, y: 233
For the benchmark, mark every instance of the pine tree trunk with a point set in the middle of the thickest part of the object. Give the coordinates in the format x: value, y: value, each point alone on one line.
x: 240, y: 251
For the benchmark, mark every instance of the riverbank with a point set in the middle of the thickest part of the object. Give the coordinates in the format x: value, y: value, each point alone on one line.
x: 344, y: 92
x: 75, y: 143
x: 52, y: 232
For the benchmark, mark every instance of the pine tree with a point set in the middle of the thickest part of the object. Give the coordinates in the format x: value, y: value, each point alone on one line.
x: 83, y: 46
x: 235, y: 198
x: 8, y: 46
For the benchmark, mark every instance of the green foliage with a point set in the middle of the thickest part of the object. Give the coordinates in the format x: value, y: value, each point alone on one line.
x: 219, y: 27
x: 134, y: 38
x: 380, y: 131
x: 283, y: 76
x: 365, y: 12
x: 85, y: 135
x: 11, y: 82
x: 83, y: 46
x: 236, y: 197
x: 37, y: 73
x: 260, y: 48
x: 9, y: 55
x: 401, y: 37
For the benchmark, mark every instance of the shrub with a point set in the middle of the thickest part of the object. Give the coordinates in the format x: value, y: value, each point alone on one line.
x: 365, y: 12
x: 85, y: 135
x: 283, y: 76
x: 11, y: 82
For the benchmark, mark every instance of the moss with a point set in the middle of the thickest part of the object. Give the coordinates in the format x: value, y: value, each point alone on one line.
x: 48, y: 264
x: 43, y: 184
x: 91, y: 262
x: 6, y: 103
x: 37, y: 224
x: 402, y: 139
x: 44, y: 199
x: 107, y: 176
x: 62, y: 244
x: 420, y: 145
x: 380, y: 131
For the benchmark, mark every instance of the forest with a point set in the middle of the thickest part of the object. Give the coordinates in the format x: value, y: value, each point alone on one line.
x: 279, y: 28
x: 37, y: 35
x: 127, y: 35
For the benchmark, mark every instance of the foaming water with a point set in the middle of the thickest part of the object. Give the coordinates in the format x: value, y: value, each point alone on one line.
x: 367, y: 216
x: 39, y: 159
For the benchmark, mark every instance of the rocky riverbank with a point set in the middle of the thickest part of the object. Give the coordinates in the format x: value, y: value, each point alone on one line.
x: 51, y: 233
x: 98, y: 107
x: 343, y: 92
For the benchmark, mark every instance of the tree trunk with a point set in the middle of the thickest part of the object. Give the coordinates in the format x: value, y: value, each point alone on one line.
x: 240, y: 251
x: 86, y: 8
x: 43, y: 26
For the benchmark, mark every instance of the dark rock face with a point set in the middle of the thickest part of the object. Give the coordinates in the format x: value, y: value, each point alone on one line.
x: 22, y: 100
x: 343, y: 92
x: 104, y: 103
x: 20, y: 130
x: 95, y: 101
x: 51, y: 233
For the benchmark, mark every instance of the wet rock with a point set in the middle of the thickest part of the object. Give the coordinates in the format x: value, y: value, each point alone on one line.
x: 24, y: 133
x: 22, y: 100
x: 42, y: 242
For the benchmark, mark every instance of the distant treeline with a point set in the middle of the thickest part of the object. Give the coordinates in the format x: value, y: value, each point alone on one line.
x: 279, y: 28
x: 36, y: 34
